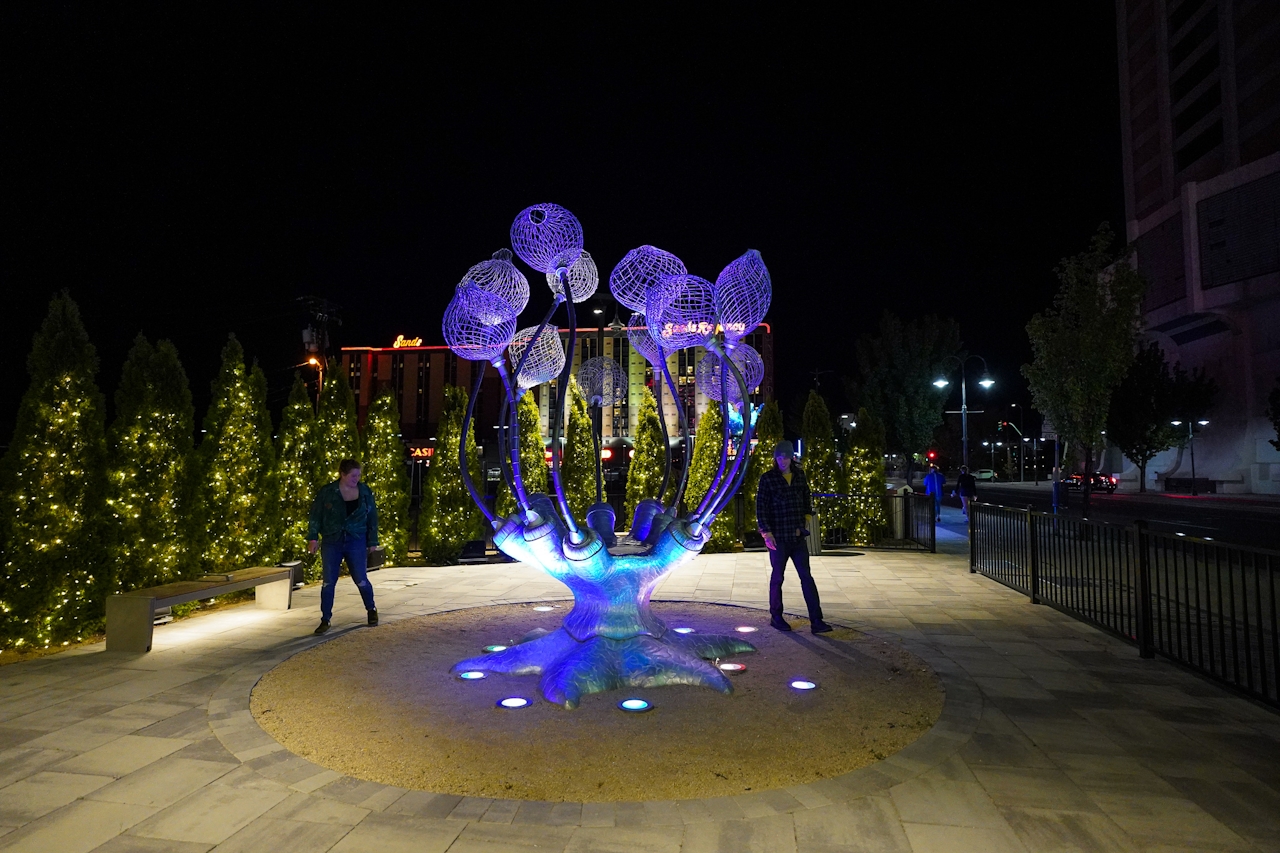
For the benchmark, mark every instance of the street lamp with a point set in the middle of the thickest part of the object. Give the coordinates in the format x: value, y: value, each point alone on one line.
x: 1191, y: 440
x: 986, y: 382
x: 993, y: 445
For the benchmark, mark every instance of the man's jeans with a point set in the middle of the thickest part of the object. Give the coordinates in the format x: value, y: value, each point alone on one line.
x: 798, y: 552
x: 333, y: 550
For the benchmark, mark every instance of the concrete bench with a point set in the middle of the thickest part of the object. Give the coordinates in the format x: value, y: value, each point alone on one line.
x: 131, y: 615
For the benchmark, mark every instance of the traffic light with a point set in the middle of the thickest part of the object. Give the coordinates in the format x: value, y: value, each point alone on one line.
x: 932, y: 455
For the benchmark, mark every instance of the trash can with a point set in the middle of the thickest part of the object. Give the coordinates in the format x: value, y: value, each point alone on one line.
x: 899, y: 517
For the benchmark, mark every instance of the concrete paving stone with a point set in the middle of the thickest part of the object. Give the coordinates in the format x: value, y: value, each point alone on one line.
x: 79, y: 827
x: 954, y: 769
x: 723, y: 808
x: 305, y: 807
x: 808, y: 796
x: 211, y: 815
x: 775, y: 834
x: 62, y: 715
x: 662, y: 813
x: 192, y: 724
x: 86, y: 735
x: 319, y: 780
x: 425, y: 804
x: 351, y: 790
x: 20, y: 762
x: 40, y: 793
x: 122, y: 756
x: 283, y: 836
x: 137, y: 844
x: 630, y: 814
x: 162, y: 784
x: 1012, y: 749
x: 501, y: 811
x: 534, y: 811
x: 1168, y: 820
x: 1033, y: 788
x: 244, y: 778
x: 931, y: 838
x: 11, y: 736
x: 499, y: 838
x: 1120, y: 774
x: 1061, y: 830
x: 382, y: 832
x: 629, y: 839
x: 208, y: 748
x: 1249, y: 808
x: 470, y: 808
x: 868, y: 824
x: 379, y: 800
x: 936, y: 801
x: 1073, y: 736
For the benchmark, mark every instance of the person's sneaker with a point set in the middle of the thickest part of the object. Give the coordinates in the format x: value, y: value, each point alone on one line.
x: 323, y: 626
x: 373, y: 618
x: 821, y: 627
x: 780, y: 624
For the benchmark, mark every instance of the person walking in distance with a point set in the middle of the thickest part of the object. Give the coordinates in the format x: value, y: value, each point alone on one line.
x: 344, y: 525
x: 784, y: 509
x: 934, y: 482
x: 967, y: 485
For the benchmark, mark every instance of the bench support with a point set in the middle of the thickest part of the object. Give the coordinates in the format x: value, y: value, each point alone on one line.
x: 277, y: 595
x: 130, y: 621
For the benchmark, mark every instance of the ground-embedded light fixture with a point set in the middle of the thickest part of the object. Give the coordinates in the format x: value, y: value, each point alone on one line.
x: 544, y: 609
x: 733, y: 668
x: 513, y: 702
x: 635, y: 706
x: 494, y: 648
x: 471, y: 675
x: 683, y: 630
x: 800, y: 684
x: 745, y: 629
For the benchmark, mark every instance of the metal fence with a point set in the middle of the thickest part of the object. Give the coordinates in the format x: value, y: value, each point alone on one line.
x: 1207, y: 605
x: 903, y: 521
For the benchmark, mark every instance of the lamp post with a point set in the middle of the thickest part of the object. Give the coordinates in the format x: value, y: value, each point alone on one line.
x: 993, y: 445
x: 986, y: 382
x: 1191, y: 440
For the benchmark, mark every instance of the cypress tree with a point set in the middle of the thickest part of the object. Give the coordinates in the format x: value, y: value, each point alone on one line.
x: 237, y: 462
x: 384, y: 472
x: 706, y: 462
x: 52, y: 492
x: 768, y: 433
x: 644, y: 474
x: 533, y: 463
x: 578, y: 473
x: 862, y: 473
x: 297, y: 464
x: 148, y: 495
x: 338, y: 437
x: 449, y: 517
x: 820, y: 460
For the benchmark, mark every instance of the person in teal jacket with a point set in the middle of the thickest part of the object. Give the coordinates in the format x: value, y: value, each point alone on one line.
x: 344, y: 525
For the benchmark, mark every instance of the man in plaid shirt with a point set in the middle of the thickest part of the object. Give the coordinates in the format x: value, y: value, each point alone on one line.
x: 784, y: 511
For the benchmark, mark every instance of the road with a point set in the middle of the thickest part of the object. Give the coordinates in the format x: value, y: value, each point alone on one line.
x: 1250, y: 520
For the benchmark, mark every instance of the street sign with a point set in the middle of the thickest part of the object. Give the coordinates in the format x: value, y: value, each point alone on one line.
x: 1047, y: 430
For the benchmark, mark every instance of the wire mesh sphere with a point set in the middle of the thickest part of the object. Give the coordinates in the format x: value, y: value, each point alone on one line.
x: 638, y: 335
x: 602, y: 381
x: 546, y: 359
x: 478, y: 325
x: 749, y: 363
x: 546, y: 237
x: 640, y: 270
x: 500, y: 277
x: 743, y: 293
x: 681, y: 310
x: 583, y: 278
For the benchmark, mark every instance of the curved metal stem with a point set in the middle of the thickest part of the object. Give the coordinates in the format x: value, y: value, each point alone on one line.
x: 724, y: 441
x: 595, y: 441
x: 739, y: 473
x: 562, y: 387
x: 462, y: 444
x: 684, y: 428
x: 510, y: 407
x: 666, y: 438
x: 503, y: 462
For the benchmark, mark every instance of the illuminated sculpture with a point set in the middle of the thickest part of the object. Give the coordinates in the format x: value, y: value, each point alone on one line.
x: 583, y: 278
x: 545, y: 359
x: 743, y: 292
x: 712, y: 380
x: 610, y: 639
x: 603, y: 384
x: 640, y: 270
x: 500, y: 277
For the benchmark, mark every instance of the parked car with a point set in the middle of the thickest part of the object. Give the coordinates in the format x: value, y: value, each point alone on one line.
x: 1098, y: 481
x: 984, y: 474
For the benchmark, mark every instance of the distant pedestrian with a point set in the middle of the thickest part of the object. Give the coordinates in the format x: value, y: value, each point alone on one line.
x: 784, y: 509
x: 934, y: 483
x: 967, y: 485
x: 344, y: 525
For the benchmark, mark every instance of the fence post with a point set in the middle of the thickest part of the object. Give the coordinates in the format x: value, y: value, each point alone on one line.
x: 973, y: 543
x: 1035, y: 555
x: 1146, y: 640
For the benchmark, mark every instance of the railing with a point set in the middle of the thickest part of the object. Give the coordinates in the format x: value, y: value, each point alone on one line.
x: 880, y: 521
x: 1209, y: 606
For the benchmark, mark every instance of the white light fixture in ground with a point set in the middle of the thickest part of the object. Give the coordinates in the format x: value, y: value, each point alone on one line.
x: 494, y: 648
x: 471, y: 675
x: 634, y: 706
x: 733, y: 668
x: 683, y: 630
x: 745, y: 629
x: 544, y: 609
x: 803, y: 685
x: 513, y: 702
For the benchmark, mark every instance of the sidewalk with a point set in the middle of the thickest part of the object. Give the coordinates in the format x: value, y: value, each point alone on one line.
x: 1054, y: 737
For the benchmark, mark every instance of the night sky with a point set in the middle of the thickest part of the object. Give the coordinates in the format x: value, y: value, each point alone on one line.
x: 189, y: 173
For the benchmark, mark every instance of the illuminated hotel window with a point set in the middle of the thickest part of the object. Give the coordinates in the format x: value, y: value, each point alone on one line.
x: 424, y: 387
x: 397, y: 380
x: 353, y: 375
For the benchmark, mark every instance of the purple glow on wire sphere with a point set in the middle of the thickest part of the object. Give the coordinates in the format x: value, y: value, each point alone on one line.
x: 602, y: 381
x: 500, y: 277
x: 583, y: 278
x: 743, y: 293
x: 638, y: 335
x: 545, y: 361
x: 682, y: 311
x: 546, y: 237
x: 640, y: 270
x: 478, y: 324
x: 749, y: 363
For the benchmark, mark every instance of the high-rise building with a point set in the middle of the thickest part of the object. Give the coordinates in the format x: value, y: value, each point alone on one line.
x: 1200, y: 135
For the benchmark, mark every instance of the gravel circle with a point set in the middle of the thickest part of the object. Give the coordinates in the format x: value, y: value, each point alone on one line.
x: 379, y: 704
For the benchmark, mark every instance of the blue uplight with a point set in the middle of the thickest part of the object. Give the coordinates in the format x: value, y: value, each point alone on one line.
x: 634, y: 705
x: 513, y: 702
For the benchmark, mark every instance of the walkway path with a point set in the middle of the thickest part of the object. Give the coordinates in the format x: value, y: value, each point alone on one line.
x: 1054, y: 737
